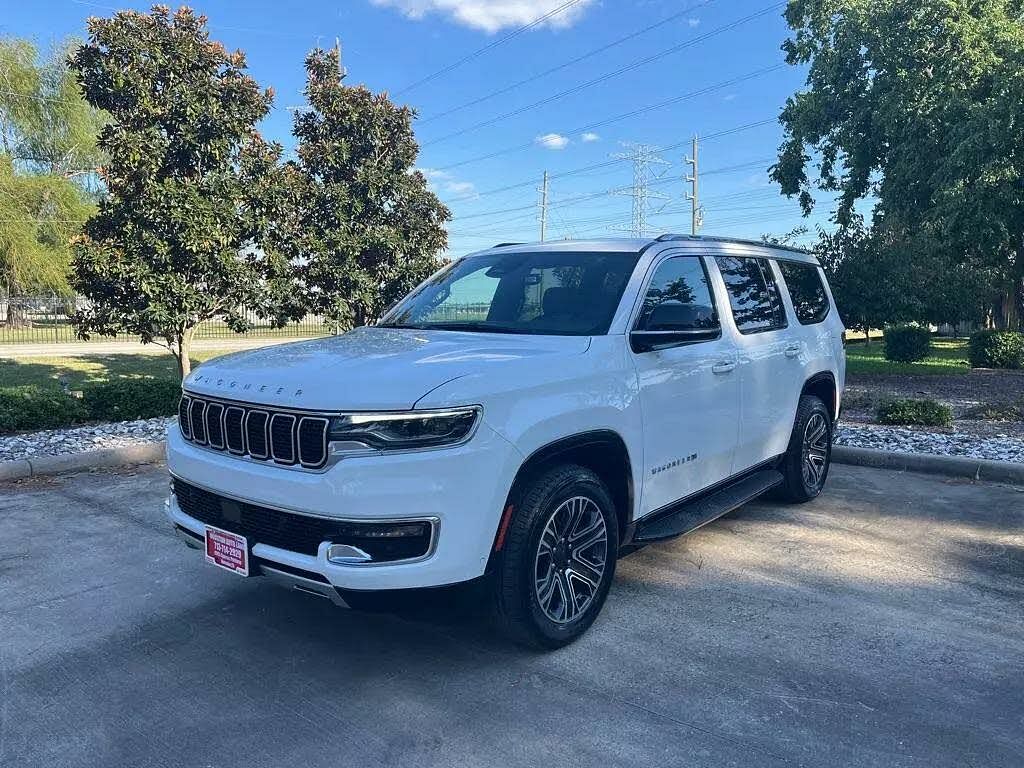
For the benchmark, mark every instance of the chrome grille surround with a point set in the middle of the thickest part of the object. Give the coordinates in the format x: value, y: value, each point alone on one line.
x: 286, y: 438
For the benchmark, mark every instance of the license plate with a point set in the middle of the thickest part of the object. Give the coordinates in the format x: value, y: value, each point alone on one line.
x: 227, y: 550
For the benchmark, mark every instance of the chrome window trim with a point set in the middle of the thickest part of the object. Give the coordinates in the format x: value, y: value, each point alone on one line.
x: 291, y: 436
x: 433, y: 520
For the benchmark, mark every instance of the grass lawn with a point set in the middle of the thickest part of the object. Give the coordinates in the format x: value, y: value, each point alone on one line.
x: 949, y: 356
x: 81, y: 371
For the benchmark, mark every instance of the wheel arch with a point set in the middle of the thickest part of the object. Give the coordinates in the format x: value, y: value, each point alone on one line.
x: 603, y: 451
x: 823, y: 386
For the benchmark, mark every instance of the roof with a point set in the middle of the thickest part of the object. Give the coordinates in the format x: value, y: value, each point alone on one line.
x: 786, y: 252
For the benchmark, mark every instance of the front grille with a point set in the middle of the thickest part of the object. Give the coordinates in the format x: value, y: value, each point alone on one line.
x: 244, y: 430
x: 295, y: 532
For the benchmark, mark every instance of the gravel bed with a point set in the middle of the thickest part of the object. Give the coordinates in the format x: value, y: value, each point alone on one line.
x: 57, y: 442
x: 998, y: 447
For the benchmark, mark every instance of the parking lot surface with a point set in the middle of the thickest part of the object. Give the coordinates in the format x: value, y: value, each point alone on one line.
x: 881, y: 625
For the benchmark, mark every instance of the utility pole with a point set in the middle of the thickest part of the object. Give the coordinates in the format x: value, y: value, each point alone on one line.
x: 696, y: 212
x: 544, y: 207
x: 341, y: 69
x: 644, y: 157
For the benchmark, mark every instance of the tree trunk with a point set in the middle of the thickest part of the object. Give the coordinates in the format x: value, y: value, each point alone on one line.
x: 867, y: 335
x: 181, y: 348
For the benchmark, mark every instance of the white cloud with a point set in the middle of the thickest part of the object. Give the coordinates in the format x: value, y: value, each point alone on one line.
x: 442, y: 181
x: 589, y: 136
x: 729, y: 97
x: 693, y: 22
x: 492, y: 15
x: 552, y: 141
x: 460, y: 187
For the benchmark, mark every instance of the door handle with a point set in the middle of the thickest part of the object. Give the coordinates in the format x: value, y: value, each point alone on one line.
x: 723, y: 366
x: 792, y: 350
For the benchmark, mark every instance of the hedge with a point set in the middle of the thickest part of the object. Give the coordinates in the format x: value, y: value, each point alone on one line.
x: 996, y: 349
x: 907, y: 343
x: 130, y: 399
x: 928, y: 413
x: 34, y: 407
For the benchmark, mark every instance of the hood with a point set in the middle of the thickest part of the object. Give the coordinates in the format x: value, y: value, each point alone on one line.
x: 370, y: 368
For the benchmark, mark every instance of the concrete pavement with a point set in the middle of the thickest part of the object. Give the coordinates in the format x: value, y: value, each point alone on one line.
x: 880, y: 625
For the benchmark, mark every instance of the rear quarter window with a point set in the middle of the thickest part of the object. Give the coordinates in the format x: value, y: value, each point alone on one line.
x: 810, y: 301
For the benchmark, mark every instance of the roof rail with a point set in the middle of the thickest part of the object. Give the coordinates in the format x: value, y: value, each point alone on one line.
x: 505, y: 245
x: 743, y: 241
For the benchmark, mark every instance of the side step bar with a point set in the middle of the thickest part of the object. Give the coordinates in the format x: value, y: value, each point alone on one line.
x: 689, y: 515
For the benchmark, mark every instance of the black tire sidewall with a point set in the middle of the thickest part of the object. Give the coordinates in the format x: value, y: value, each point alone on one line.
x: 548, y: 633
x: 809, y: 405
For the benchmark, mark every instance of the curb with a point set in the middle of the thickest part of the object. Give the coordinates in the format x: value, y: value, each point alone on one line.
x: 144, y: 453
x: 147, y: 453
x: 951, y: 466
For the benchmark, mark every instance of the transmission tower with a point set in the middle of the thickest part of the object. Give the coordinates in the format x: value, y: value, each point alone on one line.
x: 648, y: 167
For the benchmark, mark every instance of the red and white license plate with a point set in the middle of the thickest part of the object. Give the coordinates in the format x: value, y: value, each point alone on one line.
x: 227, y: 550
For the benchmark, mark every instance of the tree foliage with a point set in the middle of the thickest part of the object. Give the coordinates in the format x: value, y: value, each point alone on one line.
x: 192, y: 188
x: 48, y: 157
x: 363, y: 227
x: 917, y: 105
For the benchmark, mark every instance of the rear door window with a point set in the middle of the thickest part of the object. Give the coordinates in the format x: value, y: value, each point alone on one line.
x: 753, y: 294
x: 810, y: 302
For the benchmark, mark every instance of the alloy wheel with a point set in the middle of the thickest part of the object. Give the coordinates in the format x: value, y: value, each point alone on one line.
x: 571, y: 559
x: 815, y: 451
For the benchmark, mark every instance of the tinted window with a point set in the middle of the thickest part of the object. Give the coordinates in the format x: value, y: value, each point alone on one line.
x: 810, y: 302
x: 753, y: 294
x: 544, y: 292
x: 678, y: 298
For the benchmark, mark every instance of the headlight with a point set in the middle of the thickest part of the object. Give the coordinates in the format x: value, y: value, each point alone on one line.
x: 402, y: 431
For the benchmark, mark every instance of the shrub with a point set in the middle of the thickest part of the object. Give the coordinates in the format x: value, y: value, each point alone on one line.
x: 907, y: 343
x: 33, y: 407
x: 129, y: 399
x: 997, y: 349
x: 927, y: 413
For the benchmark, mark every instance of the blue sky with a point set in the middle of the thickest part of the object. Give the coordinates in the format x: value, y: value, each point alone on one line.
x: 392, y: 44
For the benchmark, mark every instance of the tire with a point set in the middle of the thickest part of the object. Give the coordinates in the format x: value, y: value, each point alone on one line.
x: 547, y: 589
x: 805, y: 466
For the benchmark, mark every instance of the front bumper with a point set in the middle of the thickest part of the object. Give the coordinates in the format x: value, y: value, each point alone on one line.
x: 463, y: 488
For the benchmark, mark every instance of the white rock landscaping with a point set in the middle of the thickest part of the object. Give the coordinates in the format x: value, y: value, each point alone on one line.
x: 915, y: 440
x: 60, y: 442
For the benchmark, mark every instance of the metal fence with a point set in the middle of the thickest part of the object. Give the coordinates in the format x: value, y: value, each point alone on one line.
x: 47, y: 319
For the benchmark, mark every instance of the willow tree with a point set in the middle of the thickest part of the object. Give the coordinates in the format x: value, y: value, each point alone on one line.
x: 190, y: 183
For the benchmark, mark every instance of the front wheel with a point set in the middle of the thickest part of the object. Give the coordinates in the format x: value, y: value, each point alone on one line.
x: 806, y: 463
x: 558, y: 558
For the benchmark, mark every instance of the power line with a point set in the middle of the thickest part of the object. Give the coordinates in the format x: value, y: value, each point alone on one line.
x: 494, y: 44
x: 608, y: 75
x: 571, y: 62
x: 625, y: 115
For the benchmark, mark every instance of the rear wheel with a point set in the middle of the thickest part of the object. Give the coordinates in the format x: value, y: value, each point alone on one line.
x: 806, y: 463
x: 558, y: 558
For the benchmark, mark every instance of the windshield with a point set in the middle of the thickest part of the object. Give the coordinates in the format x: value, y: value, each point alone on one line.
x: 568, y: 293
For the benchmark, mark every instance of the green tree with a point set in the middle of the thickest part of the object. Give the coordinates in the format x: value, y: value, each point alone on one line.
x: 48, y: 162
x: 364, y: 228
x: 191, y: 185
x: 916, y: 103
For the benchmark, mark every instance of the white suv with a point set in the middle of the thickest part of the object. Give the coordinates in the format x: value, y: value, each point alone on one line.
x: 523, y: 417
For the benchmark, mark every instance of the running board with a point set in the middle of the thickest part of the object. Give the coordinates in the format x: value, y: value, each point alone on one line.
x: 693, y: 514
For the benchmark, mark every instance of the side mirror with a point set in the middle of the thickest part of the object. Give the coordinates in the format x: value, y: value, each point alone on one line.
x: 649, y: 341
